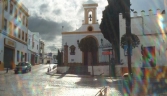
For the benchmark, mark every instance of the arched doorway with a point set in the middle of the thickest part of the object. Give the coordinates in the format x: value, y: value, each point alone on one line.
x: 90, y: 56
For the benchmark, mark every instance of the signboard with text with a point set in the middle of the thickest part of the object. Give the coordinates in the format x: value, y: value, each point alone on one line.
x: 9, y: 42
x: 106, y: 52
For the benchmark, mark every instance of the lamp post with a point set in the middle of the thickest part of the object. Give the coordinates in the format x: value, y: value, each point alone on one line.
x: 128, y: 34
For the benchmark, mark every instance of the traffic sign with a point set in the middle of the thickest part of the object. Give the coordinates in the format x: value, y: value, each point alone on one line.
x: 126, y: 50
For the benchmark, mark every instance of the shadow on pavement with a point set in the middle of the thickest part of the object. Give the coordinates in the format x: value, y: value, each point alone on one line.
x: 61, y: 76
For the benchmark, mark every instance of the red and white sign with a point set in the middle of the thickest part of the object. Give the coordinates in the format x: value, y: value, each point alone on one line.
x: 106, y: 53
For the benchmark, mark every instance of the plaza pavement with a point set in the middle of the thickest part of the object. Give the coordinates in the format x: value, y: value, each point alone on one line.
x: 150, y: 87
x: 155, y: 88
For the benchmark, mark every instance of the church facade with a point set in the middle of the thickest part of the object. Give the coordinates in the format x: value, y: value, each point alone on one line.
x: 72, y: 54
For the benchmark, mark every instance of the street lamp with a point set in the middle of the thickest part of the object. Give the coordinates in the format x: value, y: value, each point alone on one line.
x: 128, y: 33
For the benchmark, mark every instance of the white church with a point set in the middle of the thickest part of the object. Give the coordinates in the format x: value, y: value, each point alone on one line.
x: 150, y: 28
x: 72, y: 55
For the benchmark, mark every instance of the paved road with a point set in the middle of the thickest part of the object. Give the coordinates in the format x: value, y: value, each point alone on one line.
x: 37, y: 83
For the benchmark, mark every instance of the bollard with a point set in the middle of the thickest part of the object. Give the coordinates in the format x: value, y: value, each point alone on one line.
x: 48, y: 70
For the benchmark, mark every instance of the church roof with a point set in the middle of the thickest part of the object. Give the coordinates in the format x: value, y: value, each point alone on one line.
x: 90, y: 2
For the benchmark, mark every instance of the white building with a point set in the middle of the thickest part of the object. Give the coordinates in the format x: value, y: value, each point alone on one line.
x: 13, y: 33
x: 151, y: 30
x: 33, y: 47
x: 41, y: 51
x: 73, y: 56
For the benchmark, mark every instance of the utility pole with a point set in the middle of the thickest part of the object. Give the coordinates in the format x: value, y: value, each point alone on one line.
x: 128, y: 34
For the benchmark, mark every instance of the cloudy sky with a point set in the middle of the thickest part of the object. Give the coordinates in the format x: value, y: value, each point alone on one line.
x: 48, y: 16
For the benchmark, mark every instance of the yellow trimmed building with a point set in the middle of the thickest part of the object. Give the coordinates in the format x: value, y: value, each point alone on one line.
x: 13, y: 33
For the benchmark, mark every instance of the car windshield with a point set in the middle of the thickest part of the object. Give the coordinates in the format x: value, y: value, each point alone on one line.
x: 22, y: 64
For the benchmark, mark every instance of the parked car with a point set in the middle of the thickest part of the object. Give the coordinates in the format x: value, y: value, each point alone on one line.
x: 23, y: 67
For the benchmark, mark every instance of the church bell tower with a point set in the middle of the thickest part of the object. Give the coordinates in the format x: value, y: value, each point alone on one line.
x: 90, y: 8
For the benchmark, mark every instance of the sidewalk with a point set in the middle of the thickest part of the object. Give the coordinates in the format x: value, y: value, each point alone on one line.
x: 53, y: 72
x: 3, y: 72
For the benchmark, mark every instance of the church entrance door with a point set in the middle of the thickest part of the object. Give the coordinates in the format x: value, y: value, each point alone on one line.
x: 90, y: 56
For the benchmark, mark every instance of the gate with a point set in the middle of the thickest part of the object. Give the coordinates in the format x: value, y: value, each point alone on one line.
x: 8, y: 57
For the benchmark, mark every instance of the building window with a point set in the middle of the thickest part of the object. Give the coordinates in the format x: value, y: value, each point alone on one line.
x: 90, y: 28
x: 15, y: 30
x: 29, y: 41
x: 18, y: 56
x: 26, y: 37
x: 20, y: 16
x: 11, y: 28
x: 22, y: 35
x: 22, y: 56
x: 5, y: 24
x: 26, y: 22
x: 149, y: 56
x: 72, y: 48
x: 16, y: 13
x: 32, y: 44
x: 23, y: 20
x: 25, y: 56
x: 6, y: 5
x: 11, y: 8
x: 28, y: 58
x: 19, y: 33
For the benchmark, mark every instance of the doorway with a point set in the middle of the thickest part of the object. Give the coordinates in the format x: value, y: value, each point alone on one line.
x: 8, y: 57
x: 91, y: 53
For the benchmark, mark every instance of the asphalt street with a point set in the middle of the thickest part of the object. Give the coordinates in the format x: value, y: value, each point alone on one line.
x: 38, y: 83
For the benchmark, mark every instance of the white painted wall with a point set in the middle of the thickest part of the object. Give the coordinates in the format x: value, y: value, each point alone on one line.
x: 1, y: 11
x: 15, y: 21
x: 71, y: 39
x: 98, y: 70
x: 1, y: 47
x: 33, y: 37
x: 19, y: 46
x: 62, y: 69
x: 36, y: 41
x: 142, y: 26
x: 84, y: 27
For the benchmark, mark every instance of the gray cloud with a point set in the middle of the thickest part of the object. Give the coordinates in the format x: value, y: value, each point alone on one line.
x: 80, y: 11
x: 43, y: 8
x: 47, y: 29
x: 57, y: 12
x: 52, y: 47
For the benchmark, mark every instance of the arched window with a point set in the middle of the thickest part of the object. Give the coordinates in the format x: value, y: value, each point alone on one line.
x: 90, y: 17
x: 72, y: 49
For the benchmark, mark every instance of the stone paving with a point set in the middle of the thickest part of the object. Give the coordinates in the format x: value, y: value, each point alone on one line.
x: 38, y: 83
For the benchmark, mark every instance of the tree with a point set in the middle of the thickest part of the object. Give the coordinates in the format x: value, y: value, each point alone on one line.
x: 59, y: 58
x: 110, y: 24
x: 88, y: 44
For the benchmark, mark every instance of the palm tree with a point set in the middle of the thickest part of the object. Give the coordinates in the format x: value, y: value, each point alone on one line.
x: 89, y: 44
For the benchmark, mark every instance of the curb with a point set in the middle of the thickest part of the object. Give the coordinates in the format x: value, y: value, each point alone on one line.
x: 71, y: 75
